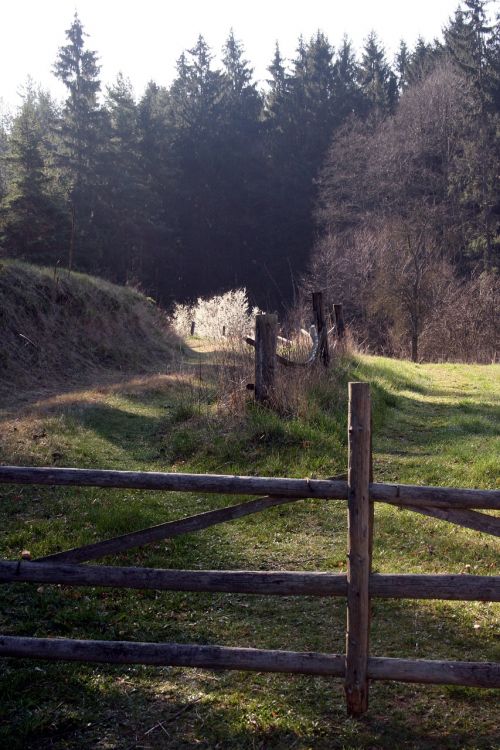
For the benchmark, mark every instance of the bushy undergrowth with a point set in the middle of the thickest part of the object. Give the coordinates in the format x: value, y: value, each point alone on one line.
x: 227, y: 314
x: 57, y: 327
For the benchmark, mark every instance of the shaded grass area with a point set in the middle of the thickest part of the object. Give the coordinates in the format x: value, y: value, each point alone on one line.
x: 422, y: 434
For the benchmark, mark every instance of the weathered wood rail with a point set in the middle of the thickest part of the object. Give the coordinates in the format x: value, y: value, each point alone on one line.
x: 356, y: 667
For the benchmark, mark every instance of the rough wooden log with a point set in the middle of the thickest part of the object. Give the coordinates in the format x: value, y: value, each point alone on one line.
x: 172, y: 654
x: 473, y: 674
x: 290, y: 362
x: 321, y: 326
x: 166, y: 530
x: 423, y: 671
x: 339, y: 320
x: 395, y: 494
x: 440, y: 586
x: 176, y: 482
x: 282, y: 583
x: 266, y: 331
x: 468, y: 518
x: 359, y: 549
x: 438, y: 497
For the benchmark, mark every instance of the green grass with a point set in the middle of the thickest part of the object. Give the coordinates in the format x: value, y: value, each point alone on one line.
x: 432, y: 425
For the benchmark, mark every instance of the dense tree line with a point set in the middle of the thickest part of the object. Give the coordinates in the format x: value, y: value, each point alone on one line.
x: 211, y: 184
x: 409, y: 204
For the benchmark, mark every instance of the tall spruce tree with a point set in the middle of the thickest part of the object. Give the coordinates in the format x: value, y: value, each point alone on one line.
x: 347, y: 94
x: 32, y: 223
x: 243, y: 168
x: 196, y: 119
x: 80, y: 141
x: 378, y: 82
x: 122, y: 180
x: 473, y: 44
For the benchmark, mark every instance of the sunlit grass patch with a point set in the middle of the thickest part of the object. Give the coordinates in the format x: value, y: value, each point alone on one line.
x: 421, y: 435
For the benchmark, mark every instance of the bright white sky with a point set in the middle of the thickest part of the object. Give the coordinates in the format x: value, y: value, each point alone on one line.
x: 144, y: 38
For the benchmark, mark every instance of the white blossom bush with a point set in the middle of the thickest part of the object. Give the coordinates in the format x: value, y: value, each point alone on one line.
x: 227, y: 314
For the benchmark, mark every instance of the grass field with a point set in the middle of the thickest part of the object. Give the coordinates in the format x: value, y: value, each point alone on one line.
x: 433, y: 424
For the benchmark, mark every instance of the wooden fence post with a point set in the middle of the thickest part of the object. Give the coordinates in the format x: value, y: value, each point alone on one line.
x: 339, y: 320
x: 193, y: 326
x: 266, y: 333
x: 321, y: 327
x: 359, y: 552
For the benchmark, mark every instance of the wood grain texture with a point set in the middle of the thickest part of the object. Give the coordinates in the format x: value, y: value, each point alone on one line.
x: 172, y: 654
x: 166, y: 530
x: 468, y: 518
x: 223, y: 484
x: 266, y: 332
x: 359, y: 549
x: 282, y: 583
x: 321, y: 327
x: 473, y: 674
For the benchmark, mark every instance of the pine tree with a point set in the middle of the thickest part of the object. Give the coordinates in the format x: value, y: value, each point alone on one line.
x: 159, y: 258
x: 403, y: 65
x: 80, y: 134
x: 378, y: 82
x: 242, y: 168
x: 195, y: 115
x: 347, y: 95
x: 122, y: 180
x: 31, y: 220
x: 4, y: 127
x: 301, y: 117
x: 473, y: 45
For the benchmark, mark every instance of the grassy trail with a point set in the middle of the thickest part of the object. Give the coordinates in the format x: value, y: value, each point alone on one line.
x: 432, y: 425
x: 446, y: 421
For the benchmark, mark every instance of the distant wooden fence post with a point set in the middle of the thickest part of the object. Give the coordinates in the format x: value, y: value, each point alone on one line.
x: 359, y: 552
x: 339, y: 320
x: 193, y: 326
x: 266, y: 333
x: 321, y: 327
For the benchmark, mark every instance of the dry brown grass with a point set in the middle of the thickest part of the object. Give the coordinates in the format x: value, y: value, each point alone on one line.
x: 58, y: 329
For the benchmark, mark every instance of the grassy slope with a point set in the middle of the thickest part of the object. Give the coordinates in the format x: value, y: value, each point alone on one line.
x: 57, y: 329
x: 433, y: 424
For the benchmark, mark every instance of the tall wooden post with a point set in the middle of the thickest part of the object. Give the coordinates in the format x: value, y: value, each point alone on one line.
x: 266, y: 333
x: 321, y: 327
x: 339, y: 320
x: 193, y: 326
x: 359, y: 553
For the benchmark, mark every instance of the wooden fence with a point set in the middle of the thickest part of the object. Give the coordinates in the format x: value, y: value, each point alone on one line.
x: 266, y: 338
x: 356, y: 666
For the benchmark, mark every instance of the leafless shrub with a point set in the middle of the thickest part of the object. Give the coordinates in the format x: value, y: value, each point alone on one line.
x: 465, y: 325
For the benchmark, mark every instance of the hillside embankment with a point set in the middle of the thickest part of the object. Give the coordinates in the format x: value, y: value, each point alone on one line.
x: 58, y: 328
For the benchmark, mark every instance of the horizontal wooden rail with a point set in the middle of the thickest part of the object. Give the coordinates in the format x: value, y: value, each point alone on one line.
x: 471, y: 674
x: 148, y: 480
x: 395, y: 494
x: 440, y: 497
x: 290, y: 362
x: 172, y: 654
x: 284, y: 583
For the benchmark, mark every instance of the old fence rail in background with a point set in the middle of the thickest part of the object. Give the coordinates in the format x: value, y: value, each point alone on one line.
x: 356, y: 666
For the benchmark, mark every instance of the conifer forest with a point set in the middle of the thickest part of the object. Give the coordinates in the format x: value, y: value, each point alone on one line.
x: 375, y: 179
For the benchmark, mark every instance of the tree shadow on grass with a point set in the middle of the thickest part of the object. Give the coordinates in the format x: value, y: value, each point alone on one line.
x: 122, y: 707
